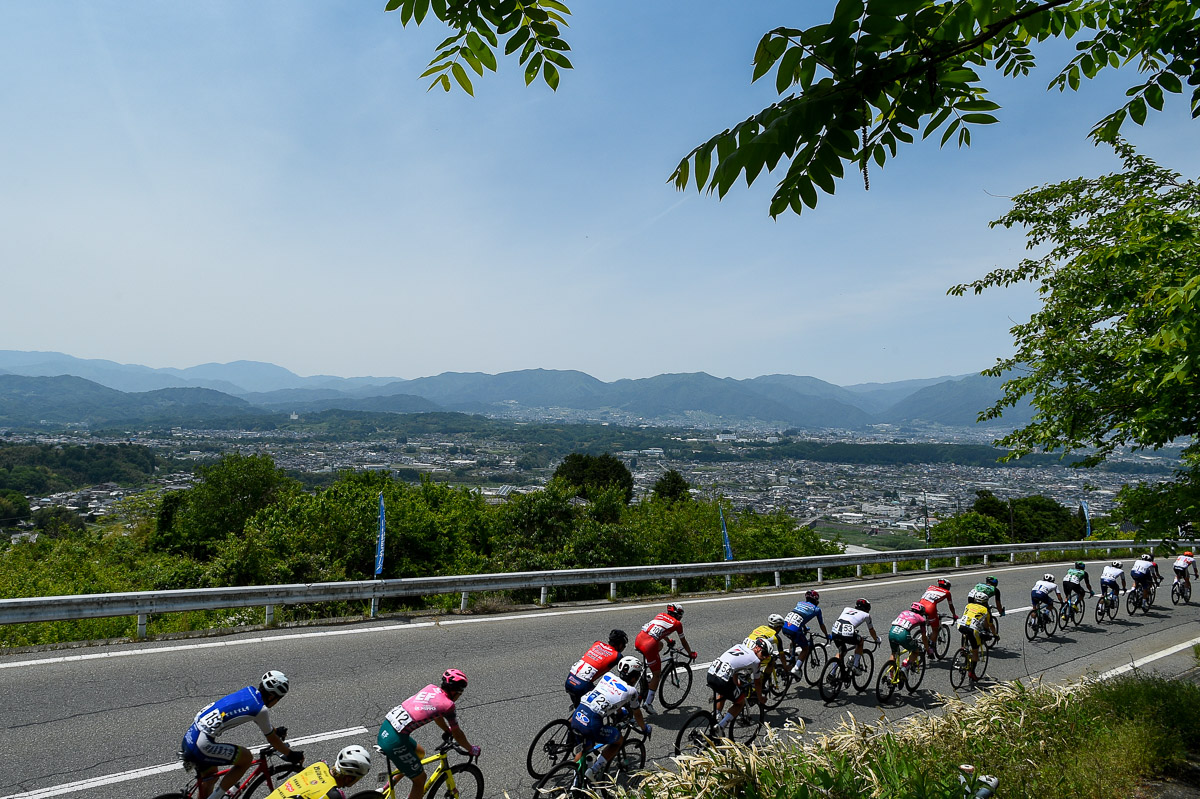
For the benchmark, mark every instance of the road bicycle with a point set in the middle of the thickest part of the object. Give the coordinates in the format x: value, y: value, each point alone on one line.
x: 818, y: 654
x: 1181, y: 591
x: 1108, y: 603
x: 1072, y: 611
x: 906, y: 670
x: 941, y: 644
x: 701, y: 732
x: 1041, y: 619
x: 460, y: 781
x: 553, y: 744
x: 1134, y: 601
x: 676, y: 673
x: 776, y: 680
x: 960, y: 667
x: 570, y: 779
x: 261, y: 773
x: 835, y: 677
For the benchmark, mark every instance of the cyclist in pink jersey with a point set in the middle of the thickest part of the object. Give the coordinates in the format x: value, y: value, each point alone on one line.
x: 649, y: 641
x: 432, y: 703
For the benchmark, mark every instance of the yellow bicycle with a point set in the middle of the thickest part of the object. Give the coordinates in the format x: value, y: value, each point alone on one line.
x: 460, y: 781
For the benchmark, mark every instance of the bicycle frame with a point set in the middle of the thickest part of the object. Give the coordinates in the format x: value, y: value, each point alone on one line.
x: 441, y: 756
x: 260, y: 766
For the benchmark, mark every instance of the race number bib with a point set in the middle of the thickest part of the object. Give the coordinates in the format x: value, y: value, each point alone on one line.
x: 721, y: 670
x: 931, y: 596
x: 902, y: 624
x: 210, y: 723
x: 843, y: 627
x: 399, y: 718
x: 793, y: 619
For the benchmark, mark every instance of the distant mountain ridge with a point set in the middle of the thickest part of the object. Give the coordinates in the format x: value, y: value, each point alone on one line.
x: 120, y: 391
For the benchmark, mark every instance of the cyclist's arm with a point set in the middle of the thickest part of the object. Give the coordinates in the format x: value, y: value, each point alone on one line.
x: 278, y: 743
x: 686, y: 646
x: 950, y: 604
x: 455, y: 731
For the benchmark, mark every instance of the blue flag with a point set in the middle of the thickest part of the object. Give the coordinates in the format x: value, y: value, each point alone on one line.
x: 725, y: 534
x: 1087, y: 516
x: 379, y: 546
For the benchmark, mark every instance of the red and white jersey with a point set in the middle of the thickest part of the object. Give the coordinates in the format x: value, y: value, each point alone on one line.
x: 597, y: 660
x: 935, y: 595
x: 1184, y: 562
x: 661, y: 626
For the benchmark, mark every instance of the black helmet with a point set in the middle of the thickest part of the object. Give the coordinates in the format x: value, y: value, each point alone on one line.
x: 812, y: 596
x: 1079, y: 565
x: 992, y: 581
x: 862, y: 604
x: 618, y: 640
x: 675, y: 610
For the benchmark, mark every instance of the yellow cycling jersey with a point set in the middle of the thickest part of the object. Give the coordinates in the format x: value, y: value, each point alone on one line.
x: 975, y: 615
x: 763, y: 631
x: 313, y: 782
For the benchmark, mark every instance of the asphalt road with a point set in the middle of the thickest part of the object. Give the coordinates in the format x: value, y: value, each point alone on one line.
x: 114, y: 714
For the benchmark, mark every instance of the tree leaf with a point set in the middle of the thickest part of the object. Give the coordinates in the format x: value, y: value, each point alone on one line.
x: 1137, y: 111
x: 516, y: 40
x: 460, y: 75
x: 787, y: 68
x: 550, y: 72
x: 532, y: 68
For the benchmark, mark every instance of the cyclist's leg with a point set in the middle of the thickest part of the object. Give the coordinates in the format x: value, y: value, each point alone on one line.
x: 213, y: 754
x: 648, y: 647
x: 405, y: 754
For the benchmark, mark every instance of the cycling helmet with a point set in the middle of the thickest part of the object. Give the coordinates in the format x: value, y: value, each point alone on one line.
x: 274, y: 683
x: 618, y: 640
x: 992, y: 581
x: 1188, y: 553
x: 862, y: 604
x: 775, y: 621
x: 1116, y: 564
x: 1079, y: 565
x: 629, y: 669
x: 675, y: 609
x: 943, y: 583
x: 453, y: 680
x: 812, y: 596
x: 1048, y: 577
x: 917, y: 607
x: 1147, y: 557
x: 353, y: 761
x: 765, y: 645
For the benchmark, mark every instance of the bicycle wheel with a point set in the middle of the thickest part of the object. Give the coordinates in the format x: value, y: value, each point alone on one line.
x: 744, y: 729
x: 818, y: 656
x: 696, y: 734
x: 468, y: 783
x: 981, y: 664
x: 1175, y: 593
x: 1131, y: 601
x: 562, y: 782
x: 916, y: 670
x: 865, y: 671
x: 831, y: 679
x: 1050, y: 620
x: 1101, y: 606
x: 1063, y: 616
x: 675, y: 685
x: 276, y: 775
x: 631, y: 758
x: 887, y: 682
x: 775, y: 687
x: 988, y: 639
x: 959, y: 667
x: 942, y: 645
x: 552, y: 744
x: 1032, y: 625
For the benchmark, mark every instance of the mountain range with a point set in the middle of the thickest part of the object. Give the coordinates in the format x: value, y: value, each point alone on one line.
x: 56, y: 388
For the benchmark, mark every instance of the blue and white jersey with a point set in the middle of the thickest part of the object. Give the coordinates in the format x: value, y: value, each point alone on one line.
x: 802, y: 614
x: 610, y: 695
x: 1142, y: 568
x: 1045, y: 587
x: 230, y: 711
x: 1111, y: 574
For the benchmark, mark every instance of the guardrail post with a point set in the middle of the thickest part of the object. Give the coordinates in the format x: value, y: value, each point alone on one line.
x: 141, y: 630
x: 985, y: 560
x: 269, y: 615
x: 545, y: 596
x: 858, y: 570
x: 1108, y: 551
x: 957, y: 561
x: 612, y: 591
x: 462, y: 605
x: 820, y: 574
x: 1012, y: 557
x: 778, y: 579
x: 895, y: 567
x: 674, y: 585
x: 728, y: 582
x: 1037, y: 555
x: 926, y: 564
x: 374, y: 606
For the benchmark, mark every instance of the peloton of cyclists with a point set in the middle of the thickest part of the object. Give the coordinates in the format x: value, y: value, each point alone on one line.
x: 933, y: 596
x: 600, y: 658
x: 650, y: 639
x: 795, y: 628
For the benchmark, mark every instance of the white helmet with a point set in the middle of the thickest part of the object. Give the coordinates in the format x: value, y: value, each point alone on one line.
x: 1048, y: 577
x: 353, y: 761
x: 765, y: 644
x: 273, y: 682
x: 775, y: 621
x: 629, y: 669
x: 1147, y: 557
x: 1116, y: 564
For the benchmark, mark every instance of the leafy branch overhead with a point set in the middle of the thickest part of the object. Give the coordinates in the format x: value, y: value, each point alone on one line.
x: 531, y: 27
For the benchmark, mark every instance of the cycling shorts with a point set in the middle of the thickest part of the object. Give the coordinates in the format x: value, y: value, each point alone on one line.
x: 901, y: 639
x: 1109, y: 584
x: 1181, y: 572
x: 648, y: 645
x: 931, y: 611
x: 400, y: 750
x: 198, y: 748
x: 1040, y: 597
x: 725, y: 689
x: 1140, y: 577
x: 577, y: 687
x: 1074, y: 588
x: 846, y: 640
x: 591, y: 727
x: 970, y: 636
x: 798, y: 635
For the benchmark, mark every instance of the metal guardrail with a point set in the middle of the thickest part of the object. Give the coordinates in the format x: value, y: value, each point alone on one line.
x: 144, y: 603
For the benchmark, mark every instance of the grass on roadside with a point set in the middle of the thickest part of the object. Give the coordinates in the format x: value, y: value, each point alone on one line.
x: 1098, y: 740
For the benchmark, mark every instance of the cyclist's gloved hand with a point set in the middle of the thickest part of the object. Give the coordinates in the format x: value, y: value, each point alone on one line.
x: 475, y: 750
x: 294, y: 756
x: 646, y: 730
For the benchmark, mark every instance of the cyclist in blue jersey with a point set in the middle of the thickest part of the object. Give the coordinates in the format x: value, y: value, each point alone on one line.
x: 795, y: 627
x: 252, y: 703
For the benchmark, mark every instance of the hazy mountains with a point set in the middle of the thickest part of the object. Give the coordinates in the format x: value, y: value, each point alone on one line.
x: 57, y: 388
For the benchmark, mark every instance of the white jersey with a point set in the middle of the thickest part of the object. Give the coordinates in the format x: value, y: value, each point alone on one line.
x: 1184, y: 562
x: 739, y: 659
x: 610, y: 695
x: 1045, y: 587
x: 851, y: 619
x: 1141, y: 567
x: 1112, y: 573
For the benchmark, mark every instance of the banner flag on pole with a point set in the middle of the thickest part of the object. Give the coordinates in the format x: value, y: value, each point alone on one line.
x: 1087, y: 516
x: 725, y: 534
x: 379, y: 546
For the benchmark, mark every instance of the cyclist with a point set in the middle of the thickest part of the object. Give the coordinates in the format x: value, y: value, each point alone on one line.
x: 1142, y: 571
x: 321, y: 781
x: 432, y: 703
x: 1108, y: 578
x: 252, y: 703
x: 772, y: 631
x: 613, y: 698
x: 846, y: 634
x: 908, y: 631
x: 727, y: 676
x: 933, y: 595
x: 600, y: 658
x: 795, y: 627
x: 971, y: 625
x: 649, y: 641
x: 982, y: 594
x: 1075, y: 579
x: 1040, y: 595
x: 1181, y: 568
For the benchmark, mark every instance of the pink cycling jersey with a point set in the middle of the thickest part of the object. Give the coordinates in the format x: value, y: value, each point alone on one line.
x: 422, y: 708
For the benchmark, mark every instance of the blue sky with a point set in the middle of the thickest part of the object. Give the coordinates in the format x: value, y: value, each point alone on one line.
x: 185, y: 183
